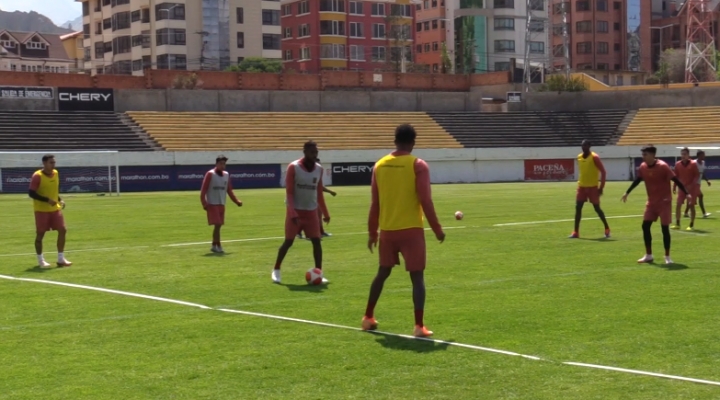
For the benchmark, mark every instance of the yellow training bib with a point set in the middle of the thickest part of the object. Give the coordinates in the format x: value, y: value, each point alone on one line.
x: 399, y: 203
x: 50, y: 188
x: 589, y: 172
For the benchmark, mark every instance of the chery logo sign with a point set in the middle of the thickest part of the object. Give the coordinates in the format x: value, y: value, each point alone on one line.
x: 351, y: 169
x: 84, y: 96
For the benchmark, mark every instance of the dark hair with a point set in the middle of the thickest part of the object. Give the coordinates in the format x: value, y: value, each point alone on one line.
x: 649, y: 149
x: 685, y: 149
x: 586, y: 142
x: 309, y: 143
x: 47, y: 157
x: 700, y: 153
x: 405, y: 134
x: 220, y: 158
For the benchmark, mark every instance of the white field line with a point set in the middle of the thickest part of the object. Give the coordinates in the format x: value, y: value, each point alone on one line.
x: 468, y: 346
x: 551, y: 221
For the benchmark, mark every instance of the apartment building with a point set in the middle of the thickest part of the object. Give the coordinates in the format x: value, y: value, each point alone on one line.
x: 128, y: 36
x: 347, y: 35
x: 430, y: 33
x: 603, y: 35
x: 33, y: 52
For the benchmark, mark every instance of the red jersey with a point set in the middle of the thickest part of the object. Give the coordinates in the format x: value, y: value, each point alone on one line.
x: 657, y: 179
x: 688, y: 173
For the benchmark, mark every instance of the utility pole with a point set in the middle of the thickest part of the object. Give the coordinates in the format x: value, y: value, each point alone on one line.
x: 203, y: 42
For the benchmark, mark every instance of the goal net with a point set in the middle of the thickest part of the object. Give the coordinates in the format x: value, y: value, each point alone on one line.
x: 80, y: 171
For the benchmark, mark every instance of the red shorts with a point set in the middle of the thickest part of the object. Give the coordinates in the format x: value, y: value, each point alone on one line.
x: 307, y: 221
x: 49, y: 221
x: 662, y: 210
x: 694, y: 192
x: 215, y: 214
x: 408, y: 242
x: 591, y: 194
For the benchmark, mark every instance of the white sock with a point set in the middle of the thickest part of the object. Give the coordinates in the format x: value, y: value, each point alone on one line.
x: 40, y: 258
x: 61, y: 256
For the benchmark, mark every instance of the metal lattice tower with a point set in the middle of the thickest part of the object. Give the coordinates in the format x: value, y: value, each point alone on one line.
x: 537, y: 30
x: 699, y: 43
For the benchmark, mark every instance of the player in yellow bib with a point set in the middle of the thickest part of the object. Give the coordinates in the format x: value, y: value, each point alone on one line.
x: 45, y: 192
x: 590, y: 186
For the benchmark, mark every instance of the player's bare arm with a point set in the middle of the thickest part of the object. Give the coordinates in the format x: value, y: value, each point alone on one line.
x: 603, y: 173
x: 679, y: 184
x: 290, y: 193
x: 322, y: 204
x: 424, y: 192
x: 374, y: 214
x: 232, y: 194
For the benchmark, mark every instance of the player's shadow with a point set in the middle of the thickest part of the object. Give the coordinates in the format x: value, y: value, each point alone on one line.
x: 305, y: 288
x: 211, y: 254
x: 671, y: 267
x: 409, y: 344
x: 39, y: 270
x: 602, y: 239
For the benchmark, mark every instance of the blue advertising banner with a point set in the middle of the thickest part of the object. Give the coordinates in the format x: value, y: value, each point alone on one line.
x: 712, y: 165
x: 143, y: 178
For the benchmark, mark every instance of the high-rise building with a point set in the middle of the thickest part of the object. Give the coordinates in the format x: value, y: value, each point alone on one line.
x: 128, y: 36
x: 430, y: 33
x: 347, y: 35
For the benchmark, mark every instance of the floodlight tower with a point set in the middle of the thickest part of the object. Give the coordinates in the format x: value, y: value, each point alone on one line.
x: 538, y: 47
x: 699, y: 42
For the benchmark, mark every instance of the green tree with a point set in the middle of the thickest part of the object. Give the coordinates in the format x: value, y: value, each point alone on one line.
x: 257, y: 64
x: 558, y: 83
x: 445, y: 62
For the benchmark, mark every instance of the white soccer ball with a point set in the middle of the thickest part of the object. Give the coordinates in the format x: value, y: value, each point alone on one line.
x: 314, y: 276
x: 459, y: 215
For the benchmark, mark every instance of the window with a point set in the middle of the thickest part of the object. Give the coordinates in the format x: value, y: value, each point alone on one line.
x: 401, y: 31
x: 332, y: 5
x: 602, y: 66
x: 287, y: 10
x: 121, y: 21
x: 35, y: 45
x: 107, y: 46
x: 85, y: 8
x: 86, y: 30
x: 122, y: 44
x: 172, y: 61
x: 400, y: 10
x: 436, y: 67
x: 378, y: 31
x: 584, y: 47
x: 602, y: 26
x: 442, y: 23
x: 105, y: 2
x: 418, y: 27
x: 107, y: 23
x: 170, y: 11
x: 633, y: 80
x: 619, y: 80
x: 434, y: 24
x: 304, y: 30
x: 503, y: 3
x: 287, y: 33
x: 426, y: 4
x: 616, y: 26
x: 241, y: 40
x: 617, y: 66
x: 616, y: 47
x: 98, y: 28
x: 426, y: 25
x: 137, y: 40
x: 335, y: 51
x: 356, y: 30
x: 137, y: 65
x: 537, y: 47
x: 378, y: 53
x: 305, y: 53
x: 378, y: 10
x: 287, y: 55
x: 558, y: 51
x: 146, y: 39
x: 537, y: 5
x: 271, y: 17
x: 134, y: 17
x: 240, y: 15
x: 504, y: 46
x: 583, y: 26
x: 418, y: 48
x: 427, y: 47
x: 602, y: 47
x: 601, y: 5
x: 356, y: 7
x: 357, y: 53
x: 303, y: 8
x: 99, y: 49
x: 397, y: 53
x: 332, y: 28
x: 561, y: 8
x: 120, y: 2
x: 617, y: 5
x: 435, y: 46
x: 582, y: 5
x: 502, y: 66
x: 145, y: 15
x: 271, y: 41
x: 537, y: 26
x: 170, y: 36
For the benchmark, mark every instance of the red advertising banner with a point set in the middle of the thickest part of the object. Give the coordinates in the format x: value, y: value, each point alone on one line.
x: 550, y: 170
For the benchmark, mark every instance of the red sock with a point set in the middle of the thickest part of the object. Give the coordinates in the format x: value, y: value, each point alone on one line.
x: 419, y: 317
x: 370, y: 310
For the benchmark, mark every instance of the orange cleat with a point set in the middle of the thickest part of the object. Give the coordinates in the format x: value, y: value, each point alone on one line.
x: 574, y: 235
x: 422, y: 331
x: 369, y: 324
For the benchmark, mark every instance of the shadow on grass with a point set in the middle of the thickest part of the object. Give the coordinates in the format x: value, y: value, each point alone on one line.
x: 305, y: 288
x: 216, y: 254
x: 37, y: 269
x: 671, y: 267
x: 411, y: 344
x: 602, y: 239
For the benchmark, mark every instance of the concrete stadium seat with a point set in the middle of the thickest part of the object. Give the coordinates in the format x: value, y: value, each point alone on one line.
x: 68, y: 131
x: 531, y: 129
x: 677, y: 125
x: 188, y: 131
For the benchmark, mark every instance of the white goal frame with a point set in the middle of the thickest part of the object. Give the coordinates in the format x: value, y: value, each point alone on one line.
x: 95, y: 159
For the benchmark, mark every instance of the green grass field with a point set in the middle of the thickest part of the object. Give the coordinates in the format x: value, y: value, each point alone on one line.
x: 521, y: 288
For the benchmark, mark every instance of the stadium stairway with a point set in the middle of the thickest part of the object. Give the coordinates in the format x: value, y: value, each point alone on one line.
x: 188, y: 131
x: 70, y: 131
x: 677, y: 125
x: 531, y: 129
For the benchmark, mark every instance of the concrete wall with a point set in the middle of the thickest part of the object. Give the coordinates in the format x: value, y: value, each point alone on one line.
x: 28, y: 105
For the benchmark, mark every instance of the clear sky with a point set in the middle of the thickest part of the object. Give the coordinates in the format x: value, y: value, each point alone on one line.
x: 59, y: 11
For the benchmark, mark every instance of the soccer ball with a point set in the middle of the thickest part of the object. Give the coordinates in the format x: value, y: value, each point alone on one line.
x: 314, y: 276
x: 458, y: 215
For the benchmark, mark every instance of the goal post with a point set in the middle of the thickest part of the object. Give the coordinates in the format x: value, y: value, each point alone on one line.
x: 96, y: 172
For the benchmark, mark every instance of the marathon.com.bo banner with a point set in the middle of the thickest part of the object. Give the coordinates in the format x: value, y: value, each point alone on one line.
x: 347, y: 174
x: 142, y: 179
x: 712, y: 165
x: 85, y: 99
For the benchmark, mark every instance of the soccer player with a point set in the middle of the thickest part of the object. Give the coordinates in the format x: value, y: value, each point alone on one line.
x: 657, y: 176
x: 215, y: 187
x: 304, y: 195
x: 45, y: 192
x: 590, y: 167
x: 400, y: 195
x: 700, y: 160
x: 320, y: 216
x: 688, y: 173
